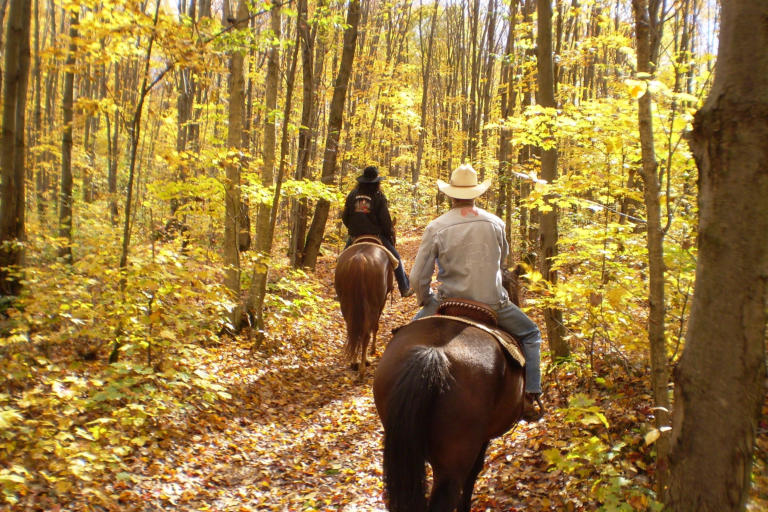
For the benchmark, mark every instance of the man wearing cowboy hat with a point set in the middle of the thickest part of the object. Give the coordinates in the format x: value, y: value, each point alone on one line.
x: 366, y: 213
x: 470, y: 246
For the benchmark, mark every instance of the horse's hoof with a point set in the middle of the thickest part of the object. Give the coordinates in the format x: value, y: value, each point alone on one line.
x: 354, y: 366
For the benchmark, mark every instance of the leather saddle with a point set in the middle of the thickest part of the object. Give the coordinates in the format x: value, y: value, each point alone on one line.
x: 480, y: 315
x: 471, y: 309
x: 373, y: 240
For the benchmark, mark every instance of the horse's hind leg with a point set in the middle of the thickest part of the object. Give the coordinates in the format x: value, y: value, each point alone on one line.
x: 363, y: 357
x: 373, y: 341
x: 445, y: 493
x: 469, y: 484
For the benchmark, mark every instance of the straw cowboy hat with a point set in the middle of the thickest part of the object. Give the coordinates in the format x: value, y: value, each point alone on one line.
x: 463, y: 184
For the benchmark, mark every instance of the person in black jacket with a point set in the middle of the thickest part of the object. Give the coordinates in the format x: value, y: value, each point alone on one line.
x: 366, y: 213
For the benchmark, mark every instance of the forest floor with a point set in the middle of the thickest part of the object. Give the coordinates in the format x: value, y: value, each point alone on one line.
x: 300, y: 433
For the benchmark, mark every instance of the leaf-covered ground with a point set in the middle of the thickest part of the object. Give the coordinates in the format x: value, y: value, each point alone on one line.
x: 300, y: 433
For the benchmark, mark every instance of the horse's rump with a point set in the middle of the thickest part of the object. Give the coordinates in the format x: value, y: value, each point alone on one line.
x: 442, y: 389
x: 363, y: 280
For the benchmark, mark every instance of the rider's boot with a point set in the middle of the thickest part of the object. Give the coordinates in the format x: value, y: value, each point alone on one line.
x: 530, y: 410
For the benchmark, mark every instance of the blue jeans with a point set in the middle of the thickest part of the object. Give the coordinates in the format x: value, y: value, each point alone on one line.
x: 400, y: 276
x: 515, y: 322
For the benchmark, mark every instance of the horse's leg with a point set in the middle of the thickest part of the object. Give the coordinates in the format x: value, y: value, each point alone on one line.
x: 373, y: 341
x: 363, y: 357
x: 445, y: 493
x: 469, y: 485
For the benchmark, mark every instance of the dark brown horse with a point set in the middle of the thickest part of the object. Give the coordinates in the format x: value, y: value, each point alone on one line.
x: 364, y: 278
x: 443, y: 389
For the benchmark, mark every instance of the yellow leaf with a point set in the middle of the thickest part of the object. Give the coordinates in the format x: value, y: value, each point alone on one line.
x: 652, y: 436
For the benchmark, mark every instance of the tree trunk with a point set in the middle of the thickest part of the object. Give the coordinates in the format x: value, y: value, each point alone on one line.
x: 335, y: 120
x: 485, y: 99
x: 37, y: 121
x: 255, y: 301
x: 719, y: 382
x: 474, y: 79
x: 426, y: 71
x: 65, y: 196
x: 232, y: 183
x: 272, y: 81
x: 135, y: 138
x: 655, y: 240
x: 113, y: 156
x: 258, y: 288
x: 505, y: 135
x: 548, y: 231
x: 16, y: 69
x: 299, y: 207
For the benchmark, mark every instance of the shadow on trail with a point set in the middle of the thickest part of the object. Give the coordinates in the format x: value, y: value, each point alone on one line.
x: 291, y: 392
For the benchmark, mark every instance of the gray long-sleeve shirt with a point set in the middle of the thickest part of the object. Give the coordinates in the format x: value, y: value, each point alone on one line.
x: 470, y: 246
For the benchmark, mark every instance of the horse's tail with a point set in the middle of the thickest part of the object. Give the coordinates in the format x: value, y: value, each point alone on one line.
x: 357, y: 307
x: 423, y: 377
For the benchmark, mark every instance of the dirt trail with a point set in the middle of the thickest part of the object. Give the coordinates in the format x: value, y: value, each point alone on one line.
x: 301, y: 434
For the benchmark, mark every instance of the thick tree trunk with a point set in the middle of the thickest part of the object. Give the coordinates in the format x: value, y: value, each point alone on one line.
x: 548, y: 230
x: 16, y: 73
x: 655, y: 241
x: 719, y: 382
x: 232, y: 183
x: 335, y: 119
x: 255, y: 300
x: 65, y: 195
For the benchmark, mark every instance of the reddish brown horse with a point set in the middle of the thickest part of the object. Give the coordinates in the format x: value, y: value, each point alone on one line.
x: 364, y: 278
x: 443, y: 389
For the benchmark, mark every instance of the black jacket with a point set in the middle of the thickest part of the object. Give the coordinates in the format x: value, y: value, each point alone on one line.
x: 367, y: 215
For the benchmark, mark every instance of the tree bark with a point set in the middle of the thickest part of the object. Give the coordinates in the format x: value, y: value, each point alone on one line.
x: 113, y: 156
x: 655, y: 239
x: 270, y: 137
x: 12, y: 222
x: 426, y: 66
x: 299, y: 207
x: 505, y: 135
x: 335, y: 120
x: 485, y: 100
x: 258, y: 288
x: 232, y: 182
x: 255, y: 301
x: 65, y: 195
x: 719, y: 382
x: 548, y: 230
x: 135, y: 139
x: 474, y: 55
